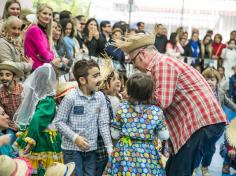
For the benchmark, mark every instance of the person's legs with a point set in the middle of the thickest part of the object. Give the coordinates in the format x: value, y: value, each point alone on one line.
x: 76, y: 157
x: 213, y: 133
x: 188, y: 157
x: 100, y: 166
x: 89, y: 163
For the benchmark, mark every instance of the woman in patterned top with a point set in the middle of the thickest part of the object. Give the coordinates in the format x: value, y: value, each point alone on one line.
x: 136, y: 124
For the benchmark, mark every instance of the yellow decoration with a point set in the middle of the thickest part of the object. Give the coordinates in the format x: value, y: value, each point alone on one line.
x: 126, y: 140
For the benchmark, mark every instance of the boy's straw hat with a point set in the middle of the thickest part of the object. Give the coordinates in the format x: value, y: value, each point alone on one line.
x: 64, y: 88
x: 59, y: 169
x: 17, y: 166
x: 134, y: 42
x: 211, y: 72
x: 11, y: 66
x: 230, y: 133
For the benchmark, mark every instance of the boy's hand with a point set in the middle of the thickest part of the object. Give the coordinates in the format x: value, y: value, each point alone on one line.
x: 82, y: 143
x: 232, y: 154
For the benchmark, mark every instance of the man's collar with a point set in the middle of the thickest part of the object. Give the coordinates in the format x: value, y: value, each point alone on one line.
x: 81, y: 94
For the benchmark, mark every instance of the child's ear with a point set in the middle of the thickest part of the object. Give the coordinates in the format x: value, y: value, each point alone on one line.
x: 82, y: 81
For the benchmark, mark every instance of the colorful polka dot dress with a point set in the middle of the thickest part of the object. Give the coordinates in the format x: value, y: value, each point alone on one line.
x: 135, y: 153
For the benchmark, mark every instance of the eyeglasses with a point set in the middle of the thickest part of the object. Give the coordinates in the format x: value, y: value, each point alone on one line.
x: 108, y: 26
x: 134, y: 58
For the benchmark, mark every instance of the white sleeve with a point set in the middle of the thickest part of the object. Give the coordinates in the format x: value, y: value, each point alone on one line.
x: 115, y: 133
x: 163, y: 135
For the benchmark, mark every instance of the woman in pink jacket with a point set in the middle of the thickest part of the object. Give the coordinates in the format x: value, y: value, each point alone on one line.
x: 38, y: 37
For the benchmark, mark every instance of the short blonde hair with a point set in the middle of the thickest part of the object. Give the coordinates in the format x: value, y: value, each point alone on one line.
x: 9, y: 21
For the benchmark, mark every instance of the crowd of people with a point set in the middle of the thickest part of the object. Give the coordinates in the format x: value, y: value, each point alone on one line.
x: 71, y: 105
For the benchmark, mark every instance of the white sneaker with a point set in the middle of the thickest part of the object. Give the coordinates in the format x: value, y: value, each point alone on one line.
x: 194, y: 172
x: 205, y: 171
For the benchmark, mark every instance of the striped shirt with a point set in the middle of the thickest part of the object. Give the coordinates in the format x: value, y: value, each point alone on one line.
x: 82, y: 115
x: 185, y: 97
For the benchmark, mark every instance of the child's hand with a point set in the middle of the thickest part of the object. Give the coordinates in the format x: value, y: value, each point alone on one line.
x: 28, y: 148
x: 5, y: 139
x: 232, y: 154
x: 82, y: 143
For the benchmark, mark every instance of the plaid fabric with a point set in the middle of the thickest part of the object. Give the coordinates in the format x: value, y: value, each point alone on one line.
x: 82, y: 115
x: 101, y: 150
x: 185, y: 97
x: 10, y: 101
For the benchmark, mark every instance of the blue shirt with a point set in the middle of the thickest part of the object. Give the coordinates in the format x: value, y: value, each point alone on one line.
x: 83, y: 115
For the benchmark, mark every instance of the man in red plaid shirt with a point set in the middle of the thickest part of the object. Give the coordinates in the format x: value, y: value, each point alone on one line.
x: 193, y: 115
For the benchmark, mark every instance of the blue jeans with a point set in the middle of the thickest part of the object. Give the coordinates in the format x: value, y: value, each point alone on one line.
x: 85, y: 162
x: 101, y: 165
x: 190, y: 155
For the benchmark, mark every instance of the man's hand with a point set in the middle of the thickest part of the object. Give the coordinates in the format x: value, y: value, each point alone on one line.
x: 4, y: 122
x: 13, y: 126
x: 82, y: 143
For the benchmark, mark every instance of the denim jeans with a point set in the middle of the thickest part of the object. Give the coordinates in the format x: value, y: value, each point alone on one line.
x: 85, y: 162
x: 101, y: 165
x: 190, y: 155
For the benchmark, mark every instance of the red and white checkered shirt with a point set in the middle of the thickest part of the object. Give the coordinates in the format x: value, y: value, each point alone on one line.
x: 185, y: 97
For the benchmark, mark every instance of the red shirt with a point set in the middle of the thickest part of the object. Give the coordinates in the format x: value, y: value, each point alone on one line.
x: 185, y: 97
x: 11, y: 101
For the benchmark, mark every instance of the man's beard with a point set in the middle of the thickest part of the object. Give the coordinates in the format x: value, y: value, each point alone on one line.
x: 7, y: 83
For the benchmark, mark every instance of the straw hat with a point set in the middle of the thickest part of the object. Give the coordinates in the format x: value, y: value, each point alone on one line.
x: 11, y: 66
x: 64, y: 88
x: 211, y: 72
x: 106, y: 68
x: 17, y: 166
x: 59, y: 169
x: 134, y: 42
x: 230, y: 133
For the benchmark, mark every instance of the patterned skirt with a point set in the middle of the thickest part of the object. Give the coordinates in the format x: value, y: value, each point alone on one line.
x: 138, y: 158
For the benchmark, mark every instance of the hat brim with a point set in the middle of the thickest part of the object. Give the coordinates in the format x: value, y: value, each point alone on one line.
x: 65, y: 92
x: 12, y: 69
x: 71, y: 167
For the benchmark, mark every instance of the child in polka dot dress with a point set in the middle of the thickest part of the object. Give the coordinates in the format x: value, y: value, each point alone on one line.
x: 136, y: 124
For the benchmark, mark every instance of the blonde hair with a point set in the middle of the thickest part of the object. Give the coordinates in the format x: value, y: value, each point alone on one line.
x: 9, y: 21
x: 40, y: 8
x: 7, y: 5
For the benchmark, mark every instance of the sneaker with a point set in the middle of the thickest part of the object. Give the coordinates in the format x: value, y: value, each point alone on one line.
x: 205, y: 171
x: 194, y: 172
x: 226, y: 169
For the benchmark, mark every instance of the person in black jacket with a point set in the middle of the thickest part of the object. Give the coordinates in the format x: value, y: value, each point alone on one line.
x: 161, y: 39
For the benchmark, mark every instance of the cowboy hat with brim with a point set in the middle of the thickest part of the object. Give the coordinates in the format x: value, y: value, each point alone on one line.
x: 59, y: 169
x: 134, y: 42
x: 11, y: 66
x: 230, y: 133
x: 64, y: 88
x: 17, y: 166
